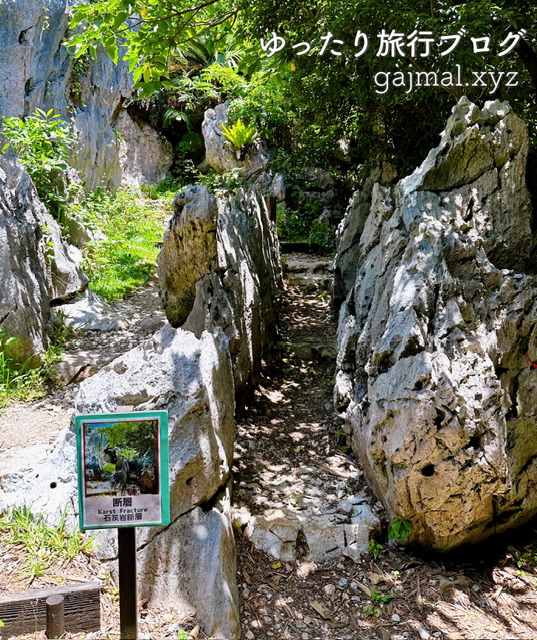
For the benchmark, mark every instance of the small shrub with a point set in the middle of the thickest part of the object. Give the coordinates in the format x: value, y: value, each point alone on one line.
x: 17, y: 380
x: 224, y: 184
x: 374, y: 548
x: 399, y: 530
x: 42, y: 143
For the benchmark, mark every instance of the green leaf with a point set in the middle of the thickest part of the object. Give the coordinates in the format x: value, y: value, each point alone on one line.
x: 112, y: 50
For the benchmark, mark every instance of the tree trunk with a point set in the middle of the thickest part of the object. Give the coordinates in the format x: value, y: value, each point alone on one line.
x: 529, y: 59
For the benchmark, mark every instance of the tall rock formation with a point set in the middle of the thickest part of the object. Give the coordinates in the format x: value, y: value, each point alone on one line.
x: 36, y: 266
x: 219, y: 267
x: 433, y: 383
x: 36, y: 70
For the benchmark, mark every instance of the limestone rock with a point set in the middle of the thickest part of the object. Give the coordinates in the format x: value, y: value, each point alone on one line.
x: 36, y: 70
x: 200, y: 548
x: 188, y: 250
x: 310, y: 273
x: 220, y: 153
x: 191, y: 562
x: 432, y: 378
x: 144, y: 156
x: 219, y: 266
x: 88, y: 312
x: 35, y: 264
x: 45, y: 479
x: 288, y: 536
x: 74, y: 366
x: 190, y: 378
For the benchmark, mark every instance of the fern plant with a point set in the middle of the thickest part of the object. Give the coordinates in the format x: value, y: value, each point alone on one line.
x: 240, y: 135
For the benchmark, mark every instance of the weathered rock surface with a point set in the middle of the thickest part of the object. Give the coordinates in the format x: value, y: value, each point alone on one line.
x: 219, y: 266
x: 200, y: 547
x: 144, y: 156
x: 351, y: 228
x: 33, y: 272
x: 311, y: 273
x: 192, y: 379
x: 432, y: 380
x: 221, y: 155
x: 191, y: 563
x: 36, y: 70
x: 290, y: 535
x: 189, y: 250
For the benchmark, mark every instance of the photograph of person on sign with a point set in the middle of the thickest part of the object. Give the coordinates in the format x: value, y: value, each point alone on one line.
x: 123, y: 469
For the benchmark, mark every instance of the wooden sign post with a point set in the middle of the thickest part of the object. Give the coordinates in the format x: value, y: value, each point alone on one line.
x: 123, y: 483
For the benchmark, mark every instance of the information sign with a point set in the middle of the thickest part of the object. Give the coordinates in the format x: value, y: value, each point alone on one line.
x: 123, y: 478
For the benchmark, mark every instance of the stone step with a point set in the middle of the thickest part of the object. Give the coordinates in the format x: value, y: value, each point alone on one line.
x: 287, y: 535
x: 308, y: 272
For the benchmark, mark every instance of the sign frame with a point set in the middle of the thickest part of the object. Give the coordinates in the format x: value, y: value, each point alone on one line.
x: 155, y: 502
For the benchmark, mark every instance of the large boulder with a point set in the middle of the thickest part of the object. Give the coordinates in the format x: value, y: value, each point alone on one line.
x: 36, y: 266
x: 219, y: 266
x: 190, y: 563
x: 221, y: 155
x: 188, y: 252
x: 191, y: 378
x: 432, y: 379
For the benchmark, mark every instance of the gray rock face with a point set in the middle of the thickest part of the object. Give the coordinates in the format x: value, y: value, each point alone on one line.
x: 35, y: 265
x: 36, y: 70
x: 432, y: 381
x: 192, y: 562
x: 200, y: 547
x: 144, y: 156
x: 220, y: 153
x: 188, y: 250
x: 192, y: 380
x: 219, y: 266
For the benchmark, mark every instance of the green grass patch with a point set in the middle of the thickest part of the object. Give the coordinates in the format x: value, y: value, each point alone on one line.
x: 126, y: 257
x: 20, y: 382
x: 40, y: 545
x: 17, y: 380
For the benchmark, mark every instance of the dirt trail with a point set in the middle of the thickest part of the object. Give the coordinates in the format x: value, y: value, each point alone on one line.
x: 289, y: 454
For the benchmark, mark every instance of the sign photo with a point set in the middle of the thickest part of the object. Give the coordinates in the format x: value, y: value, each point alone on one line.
x: 123, y: 469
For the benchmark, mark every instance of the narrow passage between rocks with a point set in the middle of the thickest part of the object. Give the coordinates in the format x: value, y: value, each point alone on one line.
x: 295, y: 483
x: 298, y: 496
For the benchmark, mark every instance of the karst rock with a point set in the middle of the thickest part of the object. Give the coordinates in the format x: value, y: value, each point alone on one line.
x: 221, y: 155
x: 433, y: 382
x: 37, y: 70
x: 36, y: 266
x: 219, y: 266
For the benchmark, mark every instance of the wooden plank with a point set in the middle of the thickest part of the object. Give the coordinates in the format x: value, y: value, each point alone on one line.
x: 27, y: 612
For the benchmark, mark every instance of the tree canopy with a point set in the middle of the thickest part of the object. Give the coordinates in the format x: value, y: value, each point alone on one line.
x: 380, y: 76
